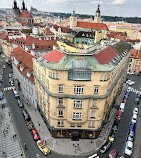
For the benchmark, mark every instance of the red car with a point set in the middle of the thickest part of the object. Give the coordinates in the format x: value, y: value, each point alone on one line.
x: 119, y: 114
x: 112, y: 154
x: 124, y: 101
x: 35, y: 134
x: 13, y: 89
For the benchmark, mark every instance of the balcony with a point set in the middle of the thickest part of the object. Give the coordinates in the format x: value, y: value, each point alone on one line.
x: 79, y: 75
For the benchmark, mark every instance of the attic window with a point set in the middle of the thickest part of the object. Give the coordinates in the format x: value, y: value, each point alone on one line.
x: 83, y: 34
x: 114, y: 61
x: 131, y: 54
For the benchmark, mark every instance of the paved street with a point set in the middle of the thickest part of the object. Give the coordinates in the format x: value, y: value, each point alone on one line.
x: 123, y: 127
x: 33, y: 151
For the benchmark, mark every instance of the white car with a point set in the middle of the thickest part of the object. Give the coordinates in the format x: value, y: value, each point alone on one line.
x: 129, y: 148
x: 10, y: 75
x: 12, y: 83
x: 135, y: 111
x: 134, y: 118
x: 129, y: 82
x: 4, y: 66
x: 130, y: 73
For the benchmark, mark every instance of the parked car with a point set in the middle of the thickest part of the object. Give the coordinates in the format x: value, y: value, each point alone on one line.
x: 121, y: 108
x: 132, y: 126
x: 115, y: 127
x: 20, y: 103
x: 118, y: 115
x: 26, y: 115
x: 135, y: 111
x: 130, y: 73
x: 30, y: 125
x: 137, y: 100
x: 125, y: 97
x: 112, y: 154
x: 139, y: 95
x: 125, y: 101
x: 129, y: 89
x: 129, y: 82
x: 130, y: 136
x: 112, y: 136
x: 12, y: 83
x: 1, y: 81
x: 4, y: 66
x: 16, y: 95
x: 134, y: 118
x: 1, y: 95
x: 10, y: 75
x: 43, y: 147
x: 128, y: 148
x: 105, y: 147
x: 13, y: 89
x: 35, y: 134
x: 10, y: 79
x: 127, y: 93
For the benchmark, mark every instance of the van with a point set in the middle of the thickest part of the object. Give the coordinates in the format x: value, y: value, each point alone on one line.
x: 121, y: 108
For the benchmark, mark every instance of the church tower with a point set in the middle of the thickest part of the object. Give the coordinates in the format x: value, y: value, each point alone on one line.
x: 16, y: 10
x: 23, y: 7
x: 73, y: 20
x: 97, y: 17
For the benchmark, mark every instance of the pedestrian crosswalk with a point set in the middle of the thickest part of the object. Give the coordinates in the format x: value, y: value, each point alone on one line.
x: 134, y: 90
x: 7, y: 88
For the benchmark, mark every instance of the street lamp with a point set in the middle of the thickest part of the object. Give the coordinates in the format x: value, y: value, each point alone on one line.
x: 75, y: 147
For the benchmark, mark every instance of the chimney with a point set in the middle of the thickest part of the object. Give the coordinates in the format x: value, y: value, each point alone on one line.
x: 29, y: 72
x: 22, y: 67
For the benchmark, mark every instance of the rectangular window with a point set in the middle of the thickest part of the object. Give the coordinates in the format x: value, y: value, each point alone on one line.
x: 91, y: 124
x: 60, y: 123
x: 94, y: 102
x: 60, y: 88
x: 72, y: 124
x: 96, y: 90
x: 92, y: 114
x: 78, y: 89
x: 60, y: 101
x: 101, y: 78
x: 105, y: 78
x: 79, y: 125
x: 53, y: 75
x: 60, y: 113
x: 77, y: 104
x: 77, y: 116
x: 57, y: 76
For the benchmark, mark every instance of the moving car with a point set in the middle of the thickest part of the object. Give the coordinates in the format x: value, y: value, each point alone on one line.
x: 35, y: 134
x: 119, y: 114
x: 135, y: 111
x: 105, y: 147
x: 4, y: 66
x: 130, y: 136
x: 43, y: 147
x: 13, y: 89
x: 132, y: 127
x: 139, y: 95
x: 134, y: 118
x: 20, y: 103
x: 112, y: 154
x: 129, y: 82
x: 12, y: 83
x: 1, y: 95
x: 26, y: 116
x: 128, y: 148
x: 137, y: 100
x: 10, y: 75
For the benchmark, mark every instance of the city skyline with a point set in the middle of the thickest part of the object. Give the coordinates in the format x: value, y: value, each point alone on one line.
x: 109, y: 8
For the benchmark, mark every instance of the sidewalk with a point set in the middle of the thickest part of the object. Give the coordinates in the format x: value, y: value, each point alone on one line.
x: 83, y: 147
x: 9, y: 146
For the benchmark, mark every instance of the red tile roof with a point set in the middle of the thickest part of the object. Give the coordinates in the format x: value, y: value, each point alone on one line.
x: 105, y: 56
x: 97, y: 26
x: 132, y: 41
x: 24, y: 23
x: 48, y: 32
x: 4, y: 36
x: 54, y: 56
x: 25, y: 15
x: 135, y: 54
x: 117, y: 35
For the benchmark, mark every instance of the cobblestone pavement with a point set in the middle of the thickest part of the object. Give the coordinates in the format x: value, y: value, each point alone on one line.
x: 9, y: 146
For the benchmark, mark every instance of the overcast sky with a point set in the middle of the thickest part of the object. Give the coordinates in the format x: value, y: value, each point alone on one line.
x: 124, y: 8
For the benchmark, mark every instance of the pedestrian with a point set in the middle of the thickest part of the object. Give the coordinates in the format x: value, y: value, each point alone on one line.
x: 38, y: 124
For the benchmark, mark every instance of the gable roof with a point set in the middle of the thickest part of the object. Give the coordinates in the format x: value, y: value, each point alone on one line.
x: 54, y: 56
x: 105, y: 56
x: 96, y: 26
x: 82, y: 34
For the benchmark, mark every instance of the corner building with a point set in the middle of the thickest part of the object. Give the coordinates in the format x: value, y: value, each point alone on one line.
x: 75, y: 89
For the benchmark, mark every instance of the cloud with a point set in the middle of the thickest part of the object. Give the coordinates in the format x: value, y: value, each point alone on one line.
x: 96, y: 2
x: 118, y: 2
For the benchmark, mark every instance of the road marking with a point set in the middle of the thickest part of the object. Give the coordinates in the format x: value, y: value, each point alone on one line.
x: 38, y: 156
x: 7, y: 88
x: 135, y: 90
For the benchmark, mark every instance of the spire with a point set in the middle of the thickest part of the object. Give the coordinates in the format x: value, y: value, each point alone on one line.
x: 15, y: 5
x: 98, y: 10
x: 23, y: 4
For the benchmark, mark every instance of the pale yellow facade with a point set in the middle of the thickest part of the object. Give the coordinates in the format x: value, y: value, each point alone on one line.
x: 7, y: 49
x: 94, y: 106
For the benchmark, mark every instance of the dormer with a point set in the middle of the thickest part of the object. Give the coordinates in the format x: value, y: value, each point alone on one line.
x: 33, y: 46
x: 22, y: 66
x: 29, y: 71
